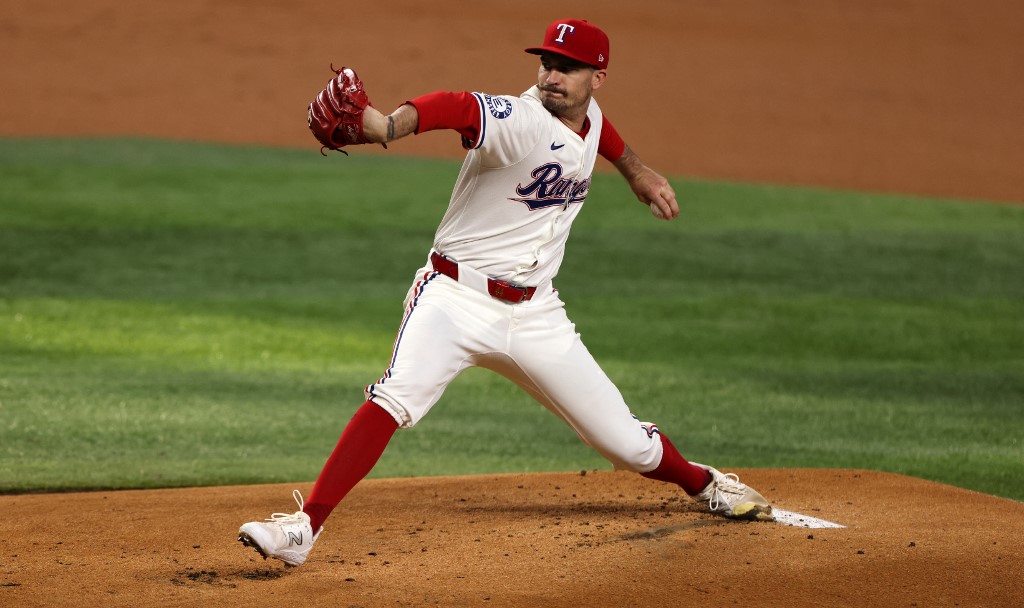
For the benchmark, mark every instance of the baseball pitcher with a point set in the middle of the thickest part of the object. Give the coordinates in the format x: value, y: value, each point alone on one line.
x: 485, y: 295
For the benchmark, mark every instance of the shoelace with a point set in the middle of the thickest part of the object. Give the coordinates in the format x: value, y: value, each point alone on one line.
x: 728, y: 483
x: 287, y: 518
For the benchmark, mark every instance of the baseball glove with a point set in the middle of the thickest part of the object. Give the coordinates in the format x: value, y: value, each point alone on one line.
x: 336, y: 114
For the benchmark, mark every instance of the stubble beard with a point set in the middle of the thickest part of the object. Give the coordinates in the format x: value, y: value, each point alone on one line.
x: 555, y: 106
x: 566, y: 106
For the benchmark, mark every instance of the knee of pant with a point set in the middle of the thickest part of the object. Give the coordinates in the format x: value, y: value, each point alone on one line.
x: 640, y: 455
x: 402, y: 416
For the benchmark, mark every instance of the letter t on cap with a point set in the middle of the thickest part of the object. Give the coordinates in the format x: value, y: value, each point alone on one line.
x: 562, y: 27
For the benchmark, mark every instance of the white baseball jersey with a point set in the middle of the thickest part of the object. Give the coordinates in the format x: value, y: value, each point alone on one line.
x: 522, y: 184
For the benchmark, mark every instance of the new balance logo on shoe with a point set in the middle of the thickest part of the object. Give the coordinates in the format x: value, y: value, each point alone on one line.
x: 282, y: 536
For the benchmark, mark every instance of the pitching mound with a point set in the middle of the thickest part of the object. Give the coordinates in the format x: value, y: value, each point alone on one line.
x: 558, y: 539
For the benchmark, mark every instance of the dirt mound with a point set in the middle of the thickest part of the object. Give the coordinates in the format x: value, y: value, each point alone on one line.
x: 557, y: 539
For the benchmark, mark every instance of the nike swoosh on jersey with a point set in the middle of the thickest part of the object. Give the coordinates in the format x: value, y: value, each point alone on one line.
x: 554, y: 147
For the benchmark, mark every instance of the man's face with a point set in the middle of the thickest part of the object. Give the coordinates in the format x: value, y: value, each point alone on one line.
x: 566, y: 85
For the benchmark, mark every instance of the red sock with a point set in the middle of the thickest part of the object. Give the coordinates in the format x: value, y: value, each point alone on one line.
x: 360, y: 447
x: 675, y: 469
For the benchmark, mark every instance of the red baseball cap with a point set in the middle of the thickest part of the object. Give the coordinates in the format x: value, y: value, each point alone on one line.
x: 576, y: 39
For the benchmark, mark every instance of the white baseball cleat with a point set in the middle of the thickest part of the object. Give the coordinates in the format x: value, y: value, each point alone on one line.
x: 284, y: 536
x: 727, y: 496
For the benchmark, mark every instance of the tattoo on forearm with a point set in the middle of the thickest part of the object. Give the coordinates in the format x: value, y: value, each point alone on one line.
x: 391, y: 127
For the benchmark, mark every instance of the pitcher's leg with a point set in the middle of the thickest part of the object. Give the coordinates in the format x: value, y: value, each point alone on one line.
x: 360, y: 447
x: 550, y: 362
x: 673, y: 468
x: 435, y: 342
x: 562, y: 376
x: 290, y: 537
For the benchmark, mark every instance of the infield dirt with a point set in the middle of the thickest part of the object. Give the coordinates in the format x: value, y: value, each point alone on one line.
x: 555, y: 539
x: 917, y: 96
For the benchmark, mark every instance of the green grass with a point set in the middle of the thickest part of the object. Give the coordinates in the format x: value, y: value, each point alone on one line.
x: 178, y: 314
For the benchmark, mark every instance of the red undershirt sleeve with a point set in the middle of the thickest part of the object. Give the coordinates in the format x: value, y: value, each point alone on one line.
x: 445, y: 110
x: 611, y: 145
x: 461, y: 113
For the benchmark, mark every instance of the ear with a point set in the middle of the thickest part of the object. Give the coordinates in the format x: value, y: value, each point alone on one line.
x: 598, y: 78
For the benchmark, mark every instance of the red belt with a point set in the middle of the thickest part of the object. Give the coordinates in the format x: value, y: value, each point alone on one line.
x: 502, y: 290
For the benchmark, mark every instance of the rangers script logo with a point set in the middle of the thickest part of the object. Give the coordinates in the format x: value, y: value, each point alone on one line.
x: 550, y: 189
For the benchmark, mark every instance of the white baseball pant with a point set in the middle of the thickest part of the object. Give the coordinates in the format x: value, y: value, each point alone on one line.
x: 451, y: 325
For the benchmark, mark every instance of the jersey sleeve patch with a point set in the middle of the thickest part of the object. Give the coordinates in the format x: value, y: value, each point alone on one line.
x: 499, y: 107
